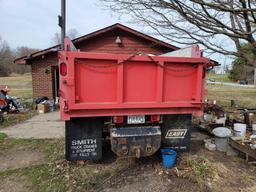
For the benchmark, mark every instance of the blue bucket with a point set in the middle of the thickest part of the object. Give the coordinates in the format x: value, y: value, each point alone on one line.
x: 169, y: 157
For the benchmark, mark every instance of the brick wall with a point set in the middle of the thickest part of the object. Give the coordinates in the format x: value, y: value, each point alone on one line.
x: 42, y: 75
x: 42, y: 81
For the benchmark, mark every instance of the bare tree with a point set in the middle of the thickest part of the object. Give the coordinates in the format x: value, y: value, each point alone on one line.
x: 72, y: 34
x: 6, y: 58
x: 20, y: 52
x: 24, y: 51
x: 221, y: 26
x: 56, y: 38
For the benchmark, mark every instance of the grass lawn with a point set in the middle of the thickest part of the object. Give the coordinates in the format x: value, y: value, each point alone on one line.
x: 20, y: 86
x: 56, y: 174
x: 12, y: 119
x: 243, y: 97
x: 218, y: 77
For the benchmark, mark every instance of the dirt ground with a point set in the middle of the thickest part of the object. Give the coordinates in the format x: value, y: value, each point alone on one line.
x: 13, y: 184
x: 20, y: 158
x: 222, y: 174
x: 41, y: 126
x: 199, y: 170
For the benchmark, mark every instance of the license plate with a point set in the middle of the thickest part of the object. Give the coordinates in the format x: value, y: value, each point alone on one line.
x: 137, y: 119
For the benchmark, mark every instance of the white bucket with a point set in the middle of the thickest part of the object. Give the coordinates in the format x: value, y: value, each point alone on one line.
x: 254, y: 129
x: 240, y: 130
x: 221, y: 138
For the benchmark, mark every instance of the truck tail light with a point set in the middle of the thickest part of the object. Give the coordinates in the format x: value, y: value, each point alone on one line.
x: 63, y: 69
x: 154, y: 118
x: 118, y: 119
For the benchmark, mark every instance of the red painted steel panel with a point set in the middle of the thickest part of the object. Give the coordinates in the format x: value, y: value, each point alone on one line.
x: 139, y: 82
x: 119, y: 84
x: 95, y: 81
x: 179, y: 82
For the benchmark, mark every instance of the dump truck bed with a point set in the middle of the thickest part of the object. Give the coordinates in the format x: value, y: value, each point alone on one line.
x: 97, y: 84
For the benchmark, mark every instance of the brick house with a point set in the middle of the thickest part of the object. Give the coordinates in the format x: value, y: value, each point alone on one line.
x: 116, y: 38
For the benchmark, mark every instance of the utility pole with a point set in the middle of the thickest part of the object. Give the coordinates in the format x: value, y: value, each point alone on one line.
x: 62, y: 22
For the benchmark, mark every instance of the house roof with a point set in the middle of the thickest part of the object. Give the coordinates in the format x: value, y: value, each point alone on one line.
x: 22, y: 60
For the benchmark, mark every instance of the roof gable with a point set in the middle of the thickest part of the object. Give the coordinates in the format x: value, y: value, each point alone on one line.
x: 117, y: 26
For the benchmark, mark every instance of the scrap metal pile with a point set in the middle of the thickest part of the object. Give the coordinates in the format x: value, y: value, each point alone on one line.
x: 233, y: 130
x: 9, y: 108
x: 214, y: 116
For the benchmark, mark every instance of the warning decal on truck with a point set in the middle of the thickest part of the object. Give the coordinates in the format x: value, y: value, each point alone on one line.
x: 176, y: 134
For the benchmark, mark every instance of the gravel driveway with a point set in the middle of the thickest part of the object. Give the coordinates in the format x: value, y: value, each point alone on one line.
x: 41, y: 126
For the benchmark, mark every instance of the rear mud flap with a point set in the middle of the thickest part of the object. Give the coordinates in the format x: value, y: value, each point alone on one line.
x: 84, y: 139
x: 176, y: 132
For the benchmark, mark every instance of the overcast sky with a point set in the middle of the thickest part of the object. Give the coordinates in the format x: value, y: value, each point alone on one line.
x: 33, y: 23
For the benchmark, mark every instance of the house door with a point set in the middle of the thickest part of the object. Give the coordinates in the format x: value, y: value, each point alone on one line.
x: 55, y: 83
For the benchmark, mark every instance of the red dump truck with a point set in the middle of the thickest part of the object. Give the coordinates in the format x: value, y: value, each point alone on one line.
x: 139, y: 102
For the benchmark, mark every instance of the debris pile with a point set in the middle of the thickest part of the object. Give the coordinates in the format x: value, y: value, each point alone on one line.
x: 234, y: 132
x: 45, y: 105
x: 214, y: 116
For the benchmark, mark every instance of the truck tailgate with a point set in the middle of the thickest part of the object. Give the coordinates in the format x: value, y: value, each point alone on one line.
x: 117, y: 84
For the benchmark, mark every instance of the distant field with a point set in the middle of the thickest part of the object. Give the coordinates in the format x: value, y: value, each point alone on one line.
x: 20, y: 85
x: 243, y: 97
x: 218, y: 77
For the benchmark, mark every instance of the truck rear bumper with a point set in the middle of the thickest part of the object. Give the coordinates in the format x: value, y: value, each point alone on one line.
x: 135, y: 141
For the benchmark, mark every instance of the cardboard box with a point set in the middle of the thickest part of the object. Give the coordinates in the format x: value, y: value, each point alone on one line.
x: 43, y: 108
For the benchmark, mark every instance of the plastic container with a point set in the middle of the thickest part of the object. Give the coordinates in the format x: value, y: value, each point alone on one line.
x: 210, y: 146
x: 254, y: 128
x: 169, y: 157
x: 51, y: 105
x: 221, y: 138
x: 240, y: 130
x: 208, y: 117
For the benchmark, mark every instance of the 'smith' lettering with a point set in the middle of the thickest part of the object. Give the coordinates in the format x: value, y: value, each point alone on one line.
x: 84, y: 142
